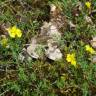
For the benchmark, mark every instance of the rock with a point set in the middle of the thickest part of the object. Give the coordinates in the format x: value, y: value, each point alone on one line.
x: 53, y: 53
x: 53, y: 7
x: 21, y: 57
x: 94, y: 59
x: 53, y: 31
x: 93, y: 42
x: 45, y: 44
x: 71, y: 24
x: 31, y: 51
x: 35, y: 50
x: 45, y: 28
x: 57, y: 17
x: 88, y: 19
x: 50, y: 29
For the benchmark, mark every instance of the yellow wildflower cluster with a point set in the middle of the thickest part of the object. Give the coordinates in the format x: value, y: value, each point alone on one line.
x: 89, y: 49
x: 4, y: 41
x: 14, y: 32
x: 88, y: 4
x: 71, y: 58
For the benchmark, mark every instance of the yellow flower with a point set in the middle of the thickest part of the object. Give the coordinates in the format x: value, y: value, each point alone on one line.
x: 14, y: 31
x: 88, y: 4
x: 4, y: 42
x: 71, y: 58
x: 89, y: 49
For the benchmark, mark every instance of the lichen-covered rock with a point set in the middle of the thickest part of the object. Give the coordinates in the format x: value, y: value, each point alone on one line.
x: 31, y: 51
x: 88, y: 19
x: 94, y: 59
x: 71, y: 24
x: 93, y: 42
x: 54, y: 53
x: 53, y: 31
x: 49, y: 37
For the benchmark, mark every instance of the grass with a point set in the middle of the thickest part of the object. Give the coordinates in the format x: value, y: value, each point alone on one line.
x: 41, y: 77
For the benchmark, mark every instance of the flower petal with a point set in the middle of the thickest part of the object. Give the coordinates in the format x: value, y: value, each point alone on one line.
x: 73, y: 62
x: 18, y: 33
x: 88, y: 4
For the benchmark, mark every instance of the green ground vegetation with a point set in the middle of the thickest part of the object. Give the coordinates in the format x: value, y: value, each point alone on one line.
x: 45, y: 77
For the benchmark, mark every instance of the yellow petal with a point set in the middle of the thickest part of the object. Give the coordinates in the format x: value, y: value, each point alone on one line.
x: 72, y: 56
x: 4, y: 42
x: 87, y: 47
x: 13, y: 29
x: 12, y: 34
x: 92, y: 51
x: 88, y: 4
x: 73, y: 62
x: 18, y: 33
x: 68, y: 58
x: 8, y: 29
